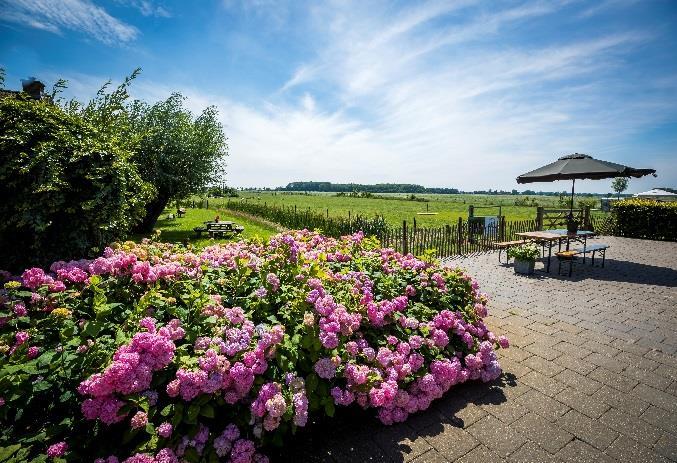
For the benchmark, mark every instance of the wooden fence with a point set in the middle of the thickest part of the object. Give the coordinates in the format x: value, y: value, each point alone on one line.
x: 460, y: 239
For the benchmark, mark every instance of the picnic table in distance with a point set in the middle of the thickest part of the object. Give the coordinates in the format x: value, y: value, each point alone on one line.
x: 221, y: 228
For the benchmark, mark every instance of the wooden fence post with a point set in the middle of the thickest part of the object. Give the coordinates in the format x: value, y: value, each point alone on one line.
x: 501, y: 229
x: 405, y: 247
x: 539, y: 218
x: 460, y: 234
x: 586, y: 218
x: 471, y: 212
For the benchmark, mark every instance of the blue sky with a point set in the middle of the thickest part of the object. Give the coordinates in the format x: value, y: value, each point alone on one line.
x: 465, y: 93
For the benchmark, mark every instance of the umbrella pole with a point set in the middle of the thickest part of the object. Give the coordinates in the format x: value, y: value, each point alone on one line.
x: 571, y: 209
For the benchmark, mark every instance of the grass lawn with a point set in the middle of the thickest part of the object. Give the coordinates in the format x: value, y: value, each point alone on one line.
x: 178, y: 230
x: 448, y: 208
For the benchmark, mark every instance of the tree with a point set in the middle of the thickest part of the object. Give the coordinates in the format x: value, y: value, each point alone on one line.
x: 177, y: 153
x: 66, y: 190
x: 619, y: 185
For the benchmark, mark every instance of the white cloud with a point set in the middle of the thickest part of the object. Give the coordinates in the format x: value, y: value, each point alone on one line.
x: 147, y: 8
x: 77, y: 15
x: 389, y: 99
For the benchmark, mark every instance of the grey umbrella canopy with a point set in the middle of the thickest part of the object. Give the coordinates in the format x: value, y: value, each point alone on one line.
x: 581, y: 166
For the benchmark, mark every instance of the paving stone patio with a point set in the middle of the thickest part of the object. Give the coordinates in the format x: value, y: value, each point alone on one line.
x: 591, y: 374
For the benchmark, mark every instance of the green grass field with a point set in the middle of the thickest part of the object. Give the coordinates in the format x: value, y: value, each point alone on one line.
x: 178, y: 230
x: 448, y: 207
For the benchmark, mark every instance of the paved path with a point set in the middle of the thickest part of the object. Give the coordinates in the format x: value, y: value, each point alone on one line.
x: 591, y: 374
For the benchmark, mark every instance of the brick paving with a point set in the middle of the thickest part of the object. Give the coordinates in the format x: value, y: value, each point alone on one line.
x: 591, y: 374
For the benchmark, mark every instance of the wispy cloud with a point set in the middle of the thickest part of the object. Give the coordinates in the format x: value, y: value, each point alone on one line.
x: 454, y: 104
x: 147, y: 8
x: 449, y: 94
x: 76, y: 15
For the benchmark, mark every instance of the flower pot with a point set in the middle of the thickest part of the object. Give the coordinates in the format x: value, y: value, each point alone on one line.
x: 525, y: 267
x: 572, y: 226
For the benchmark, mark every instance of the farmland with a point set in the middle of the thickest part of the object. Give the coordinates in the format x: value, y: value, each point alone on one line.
x: 396, y: 207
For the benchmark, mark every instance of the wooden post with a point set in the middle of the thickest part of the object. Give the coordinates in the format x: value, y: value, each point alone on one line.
x: 471, y: 212
x: 586, y: 218
x: 405, y: 247
x: 501, y: 229
x: 460, y: 234
x: 327, y: 212
x: 207, y: 205
x: 414, y: 224
x: 539, y: 218
x: 426, y: 207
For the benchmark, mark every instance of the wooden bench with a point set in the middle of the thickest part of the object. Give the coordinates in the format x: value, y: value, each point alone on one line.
x: 570, y: 255
x: 199, y: 230
x: 501, y: 245
x: 594, y: 248
x: 567, y: 257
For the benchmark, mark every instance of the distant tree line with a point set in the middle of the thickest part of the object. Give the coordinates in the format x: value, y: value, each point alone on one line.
x: 328, y: 187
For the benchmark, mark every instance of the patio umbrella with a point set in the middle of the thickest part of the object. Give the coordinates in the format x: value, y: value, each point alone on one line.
x: 581, y: 166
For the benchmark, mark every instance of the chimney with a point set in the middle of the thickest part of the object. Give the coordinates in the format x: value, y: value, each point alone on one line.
x: 33, y: 87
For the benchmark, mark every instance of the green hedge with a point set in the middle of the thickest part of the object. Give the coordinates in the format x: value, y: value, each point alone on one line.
x: 65, y: 191
x: 645, y: 218
x: 331, y: 226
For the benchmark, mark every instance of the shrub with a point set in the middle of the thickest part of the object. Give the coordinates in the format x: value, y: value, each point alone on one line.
x: 524, y: 252
x: 645, y: 218
x: 64, y: 190
x: 153, y: 352
x: 289, y: 217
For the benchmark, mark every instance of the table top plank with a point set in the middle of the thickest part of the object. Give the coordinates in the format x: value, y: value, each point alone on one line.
x: 553, y: 235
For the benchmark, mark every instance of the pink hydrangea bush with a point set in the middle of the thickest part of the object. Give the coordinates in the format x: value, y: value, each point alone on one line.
x: 159, y: 353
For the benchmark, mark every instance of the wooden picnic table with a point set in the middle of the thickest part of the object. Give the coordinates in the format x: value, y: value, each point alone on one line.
x: 218, y: 221
x: 221, y: 228
x: 550, y: 237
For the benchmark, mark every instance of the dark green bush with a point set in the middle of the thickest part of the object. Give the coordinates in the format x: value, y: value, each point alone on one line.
x: 65, y: 190
x: 645, y: 218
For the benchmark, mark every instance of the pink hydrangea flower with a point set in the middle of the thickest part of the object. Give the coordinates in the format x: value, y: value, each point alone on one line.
x: 57, y: 450
x: 139, y: 420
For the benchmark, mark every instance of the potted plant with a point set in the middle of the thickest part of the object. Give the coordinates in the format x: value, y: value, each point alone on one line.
x: 572, y: 225
x: 525, y: 257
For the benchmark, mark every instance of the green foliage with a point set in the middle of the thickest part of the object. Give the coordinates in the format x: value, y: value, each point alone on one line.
x: 295, y: 219
x: 587, y: 202
x: 524, y: 252
x: 645, y: 218
x: 77, y: 330
x: 178, y: 153
x: 65, y: 188
x: 448, y: 208
x: 526, y: 201
x: 620, y: 184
